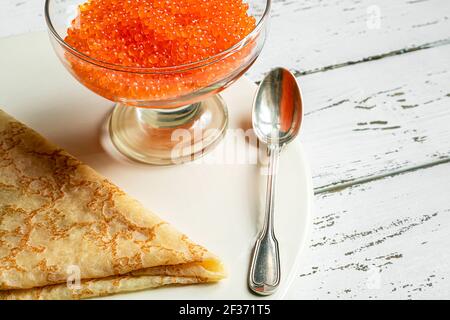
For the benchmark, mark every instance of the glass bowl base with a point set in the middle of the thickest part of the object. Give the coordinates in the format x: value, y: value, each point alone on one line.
x: 168, y: 136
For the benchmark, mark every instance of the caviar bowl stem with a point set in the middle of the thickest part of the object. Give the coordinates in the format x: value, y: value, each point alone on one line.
x: 168, y: 136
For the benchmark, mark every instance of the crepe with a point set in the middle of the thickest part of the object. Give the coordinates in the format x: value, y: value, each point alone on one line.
x: 61, y: 224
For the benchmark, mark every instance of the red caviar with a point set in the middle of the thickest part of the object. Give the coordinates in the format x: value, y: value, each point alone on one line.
x: 156, y: 34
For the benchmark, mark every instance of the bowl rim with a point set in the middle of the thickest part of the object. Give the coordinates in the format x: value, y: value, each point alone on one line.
x: 159, y: 70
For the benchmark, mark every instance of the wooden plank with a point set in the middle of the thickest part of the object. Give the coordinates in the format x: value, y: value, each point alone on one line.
x: 379, y: 117
x: 310, y: 35
x: 383, y: 239
x: 21, y: 16
x: 313, y: 35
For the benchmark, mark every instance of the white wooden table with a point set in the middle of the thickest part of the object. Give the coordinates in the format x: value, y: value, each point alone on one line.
x: 376, y: 80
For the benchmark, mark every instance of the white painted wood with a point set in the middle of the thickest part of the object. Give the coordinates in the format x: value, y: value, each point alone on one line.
x: 309, y: 34
x: 378, y: 117
x: 21, y: 16
x: 384, y: 239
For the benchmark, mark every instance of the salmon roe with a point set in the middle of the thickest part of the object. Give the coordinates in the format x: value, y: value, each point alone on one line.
x: 156, y: 34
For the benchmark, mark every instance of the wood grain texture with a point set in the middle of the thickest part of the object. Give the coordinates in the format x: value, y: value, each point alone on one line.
x: 384, y: 239
x: 21, y: 16
x: 314, y: 35
x: 378, y: 117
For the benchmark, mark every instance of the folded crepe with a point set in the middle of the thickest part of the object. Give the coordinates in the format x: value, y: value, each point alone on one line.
x: 66, y: 232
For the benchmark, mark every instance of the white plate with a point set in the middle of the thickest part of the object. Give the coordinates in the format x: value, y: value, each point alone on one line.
x: 215, y: 202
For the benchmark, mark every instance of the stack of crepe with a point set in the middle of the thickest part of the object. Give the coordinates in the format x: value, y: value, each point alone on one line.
x: 68, y: 233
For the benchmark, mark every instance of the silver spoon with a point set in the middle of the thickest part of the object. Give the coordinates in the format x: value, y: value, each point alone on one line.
x: 276, y: 118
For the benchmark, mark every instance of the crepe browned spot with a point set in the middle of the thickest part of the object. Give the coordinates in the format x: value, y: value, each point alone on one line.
x: 58, y: 215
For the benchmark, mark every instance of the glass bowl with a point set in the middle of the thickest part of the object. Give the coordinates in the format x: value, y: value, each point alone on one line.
x: 163, y: 115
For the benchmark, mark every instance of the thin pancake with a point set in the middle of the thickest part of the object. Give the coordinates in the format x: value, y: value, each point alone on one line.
x: 189, y: 273
x: 56, y: 213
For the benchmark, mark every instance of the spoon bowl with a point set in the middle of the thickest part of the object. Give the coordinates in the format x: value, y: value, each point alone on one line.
x: 277, y: 108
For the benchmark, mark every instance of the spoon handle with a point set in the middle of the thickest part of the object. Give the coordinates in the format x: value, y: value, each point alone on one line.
x: 264, y: 276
